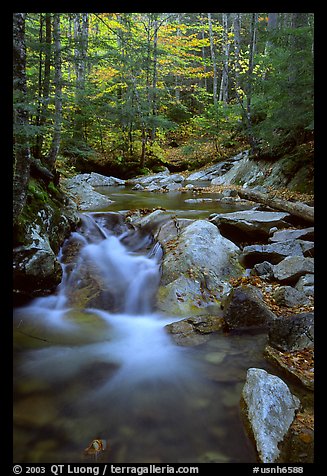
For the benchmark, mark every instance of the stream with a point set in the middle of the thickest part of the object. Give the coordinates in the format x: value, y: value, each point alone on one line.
x: 111, y: 371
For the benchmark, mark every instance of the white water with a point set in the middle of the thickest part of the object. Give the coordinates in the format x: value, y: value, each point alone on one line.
x: 133, y: 338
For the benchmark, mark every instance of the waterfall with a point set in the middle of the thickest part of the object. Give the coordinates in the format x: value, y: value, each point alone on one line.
x: 128, y: 275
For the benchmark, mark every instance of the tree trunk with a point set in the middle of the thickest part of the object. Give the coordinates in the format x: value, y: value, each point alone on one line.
x: 237, y: 47
x: 21, y: 170
x: 213, y: 59
x: 300, y: 210
x: 58, y: 93
x: 223, y: 93
x: 155, y: 76
x: 252, y: 47
x: 44, y: 86
x: 81, y: 44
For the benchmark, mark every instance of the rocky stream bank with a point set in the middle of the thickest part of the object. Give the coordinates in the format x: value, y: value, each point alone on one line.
x: 230, y: 273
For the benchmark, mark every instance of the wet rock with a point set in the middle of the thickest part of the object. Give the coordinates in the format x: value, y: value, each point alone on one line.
x: 194, y: 330
x: 291, y: 268
x: 306, y: 234
x: 187, y: 296
x: 171, y: 229
x: 289, y: 297
x: 248, y: 225
x: 244, y: 308
x: 196, y: 268
x: 201, y: 247
x: 269, y: 408
x: 294, y: 332
x: 306, y: 284
x: 36, y: 270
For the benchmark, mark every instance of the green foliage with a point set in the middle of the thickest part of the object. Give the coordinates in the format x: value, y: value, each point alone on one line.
x: 136, y: 89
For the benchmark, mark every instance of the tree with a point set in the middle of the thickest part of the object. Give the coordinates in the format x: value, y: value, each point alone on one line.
x: 223, y: 93
x: 58, y: 92
x: 81, y: 24
x: 213, y: 58
x: 22, y: 157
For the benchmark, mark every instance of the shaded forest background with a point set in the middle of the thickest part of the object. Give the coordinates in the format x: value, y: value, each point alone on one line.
x: 126, y: 93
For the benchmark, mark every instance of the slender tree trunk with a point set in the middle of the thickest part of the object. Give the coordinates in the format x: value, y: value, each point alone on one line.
x: 223, y: 93
x: 237, y: 47
x: 44, y: 86
x: 205, y: 82
x: 213, y: 59
x: 155, y: 76
x: 81, y: 45
x: 253, y: 32
x: 21, y: 169
x: 54, y: 150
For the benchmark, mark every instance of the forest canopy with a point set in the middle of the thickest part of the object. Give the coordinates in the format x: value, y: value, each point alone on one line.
x: 111, y: 91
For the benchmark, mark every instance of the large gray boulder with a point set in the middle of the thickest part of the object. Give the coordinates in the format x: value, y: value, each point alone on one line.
x: 270, y: 409
x: 249, y: 224
x: 244, y: 307
x: 198, y: 262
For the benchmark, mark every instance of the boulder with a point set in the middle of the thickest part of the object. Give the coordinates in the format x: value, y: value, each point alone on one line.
x: 289, y: 297
x: 198, y: 262
x: 244, y: 307
x: 274, y: 252
x: 36, y: 270
x: 291, y: 268
x: 306, y: 234
x: 269, y: 409
x: 294, y: 332
x: 248, y: 225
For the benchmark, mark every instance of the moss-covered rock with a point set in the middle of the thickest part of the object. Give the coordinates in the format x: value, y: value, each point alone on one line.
x: 46, y: 220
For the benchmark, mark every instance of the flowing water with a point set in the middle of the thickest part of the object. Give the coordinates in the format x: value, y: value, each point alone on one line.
x: 93, y: 360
